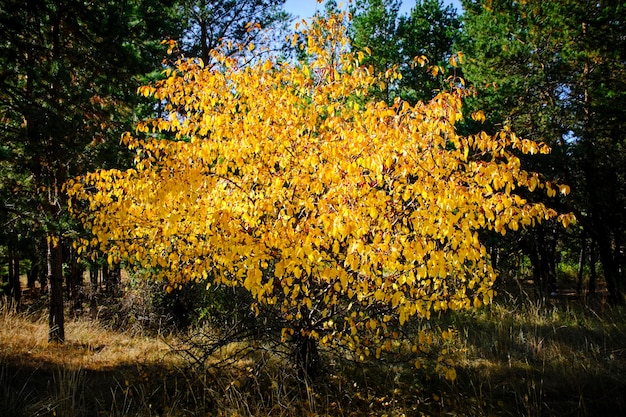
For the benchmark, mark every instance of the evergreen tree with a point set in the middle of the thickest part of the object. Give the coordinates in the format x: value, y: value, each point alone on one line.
x: 208, y: 23
x: 554, y: 71
x: 389, y: 39
x: 374, y: 31
x: 70, y: 72
x: 430, y: 30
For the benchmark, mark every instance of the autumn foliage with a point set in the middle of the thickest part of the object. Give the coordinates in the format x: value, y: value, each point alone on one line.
x: 348, y: 215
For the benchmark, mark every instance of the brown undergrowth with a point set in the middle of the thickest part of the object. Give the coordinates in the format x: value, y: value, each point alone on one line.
x: 520, y: 356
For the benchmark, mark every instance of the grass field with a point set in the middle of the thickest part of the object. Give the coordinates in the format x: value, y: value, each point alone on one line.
x: 517, y: 357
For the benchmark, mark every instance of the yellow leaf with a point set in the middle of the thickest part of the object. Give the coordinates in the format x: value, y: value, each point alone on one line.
x: 479, y: 116
x: 289, y: 179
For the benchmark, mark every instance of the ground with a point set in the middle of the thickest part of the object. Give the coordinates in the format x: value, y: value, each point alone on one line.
x: 521, y: 356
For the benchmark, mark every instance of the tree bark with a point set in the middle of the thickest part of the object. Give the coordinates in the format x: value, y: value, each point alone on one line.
x: 611, y: 270
x: 593, y: 278
x: 33, y: 273
x: 93, y: 290
x: 75, y: 282
x: 306, y: 356
x: 15, y: 289
x: 112, y: 279
x: 55, y: 279
x: 581, y: 265
x: 540, y: 247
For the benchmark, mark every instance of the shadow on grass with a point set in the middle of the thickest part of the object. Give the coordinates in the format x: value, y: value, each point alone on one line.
x: 556, y: 357
x: 559, y: 357
x: 52, y: 389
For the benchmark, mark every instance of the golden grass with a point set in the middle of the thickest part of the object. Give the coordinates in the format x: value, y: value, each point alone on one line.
x: 89, y: 345
x: 513, y: 358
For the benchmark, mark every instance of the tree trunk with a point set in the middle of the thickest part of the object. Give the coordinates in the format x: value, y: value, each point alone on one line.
x: 55, y: 279
x: 93, y: 290
x: 105, y: 277
x: 541, y: 251
x: 15, y: 289
x: 593, y: 277
x: 494, y: 255
x: 535, y: 264
x: 306, y: 357
x: 33, y: 273
x: 75, y: 282
x: 581, y: 266
x: 550, y: 255
x: 112, y: 279
x: 610, y: 267
x: 619, y: 257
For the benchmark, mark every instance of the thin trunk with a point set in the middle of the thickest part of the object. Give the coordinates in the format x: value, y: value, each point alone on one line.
x: 112, y: 280
x: 15, y: 289
x: 494, y: 255
x: 93, y: 290
x: 541, y: 251
x: 581, y: 265
x: 75, y: 283
x: 535, y: 264
x: 205, y: 49
x: 33, y: 273
x: 548, y: 267
x: 43, y: 272
x: 55, y: 279
x: 306, y: 356
x: 618, y: 255
x: 105, y: 277
x: 610, y: 268
x: 593, y: 276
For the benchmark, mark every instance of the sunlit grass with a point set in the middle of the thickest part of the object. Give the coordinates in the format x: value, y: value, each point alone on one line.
x: 516, y: 357
x: 89, y: 344
x: 548, y: 357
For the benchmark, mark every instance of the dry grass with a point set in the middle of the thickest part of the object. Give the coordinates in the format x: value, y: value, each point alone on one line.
x: 87, y: 374
x: 89, y: 345
x: 537, y: 358
x: 514, y: 358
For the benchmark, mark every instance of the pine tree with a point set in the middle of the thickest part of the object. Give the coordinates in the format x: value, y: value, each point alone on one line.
x: 70, y: 71
x: 430, y: 30
x: 555, y: 71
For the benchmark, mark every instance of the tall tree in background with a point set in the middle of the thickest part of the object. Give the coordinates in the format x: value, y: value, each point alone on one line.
x: 555, y: 71
x: 374, y: 29
x: 208, y: 23
x: 595, y: 64
x: 511, y: 75
x: 390, y: 39
x: 70, y: 71
x: 430, y: 30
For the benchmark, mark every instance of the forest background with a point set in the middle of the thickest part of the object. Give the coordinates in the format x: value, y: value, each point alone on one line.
x: 550, y: 72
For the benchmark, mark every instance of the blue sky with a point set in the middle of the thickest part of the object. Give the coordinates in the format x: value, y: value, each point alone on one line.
x: 306, y: 8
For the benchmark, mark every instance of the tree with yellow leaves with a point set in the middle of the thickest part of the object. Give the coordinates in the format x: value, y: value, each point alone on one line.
x: 348, y: 215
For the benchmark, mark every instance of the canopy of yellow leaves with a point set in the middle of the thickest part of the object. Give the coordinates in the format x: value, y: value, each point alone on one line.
x: 284, y: 178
